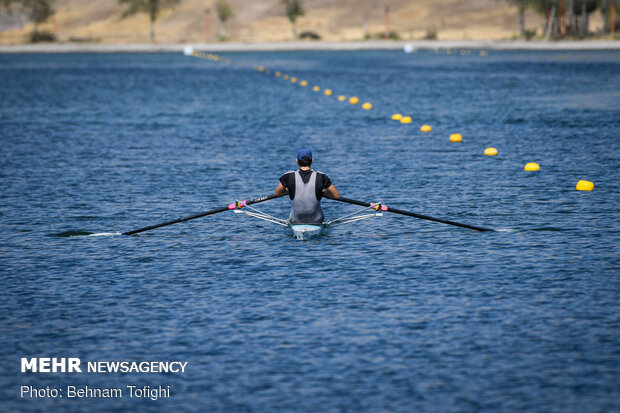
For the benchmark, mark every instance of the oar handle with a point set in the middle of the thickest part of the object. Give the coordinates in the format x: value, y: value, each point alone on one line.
x: 411, y: 214
x: 262, y: 199
x: 202, y: 214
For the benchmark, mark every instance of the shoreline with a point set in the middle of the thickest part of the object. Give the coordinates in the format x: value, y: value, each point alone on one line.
x: 313, y: 46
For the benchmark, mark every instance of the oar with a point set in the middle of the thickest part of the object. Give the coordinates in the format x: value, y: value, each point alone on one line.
x: 203, y: 214
x: 410, y: 214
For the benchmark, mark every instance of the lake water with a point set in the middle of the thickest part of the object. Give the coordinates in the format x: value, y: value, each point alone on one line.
x: 392, y: 314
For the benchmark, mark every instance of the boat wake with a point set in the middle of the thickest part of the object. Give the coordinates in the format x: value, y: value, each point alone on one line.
x: 104, y: 234
x: 552, y: 229
x: 67, y: 234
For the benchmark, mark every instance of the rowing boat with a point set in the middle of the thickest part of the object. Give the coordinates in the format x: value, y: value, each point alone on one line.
x: 304, y: 232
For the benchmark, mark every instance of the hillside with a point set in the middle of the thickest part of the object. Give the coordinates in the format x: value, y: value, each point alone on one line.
x: 265, y: 21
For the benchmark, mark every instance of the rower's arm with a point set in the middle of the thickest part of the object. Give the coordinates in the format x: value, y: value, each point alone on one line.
x: 282, y: 190
x: 332, y: 192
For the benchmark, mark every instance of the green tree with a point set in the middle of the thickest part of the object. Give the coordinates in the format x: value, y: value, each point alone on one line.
x: 581, y: 8
x: 224, y: 13
x: 38, y: 11
x: 604, y: 13
x: 605, y: 9
x: 547, y: 8
x: 522, y: 5
x: 294, y: 9
x: 584, y: 8
x: 152, y: 7
x: 542, y: 6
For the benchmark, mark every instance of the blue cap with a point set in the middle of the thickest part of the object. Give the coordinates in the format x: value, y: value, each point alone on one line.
x: 304, y: 153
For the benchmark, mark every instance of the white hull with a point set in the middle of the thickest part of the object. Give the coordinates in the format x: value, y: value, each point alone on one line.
x: 304, y: 232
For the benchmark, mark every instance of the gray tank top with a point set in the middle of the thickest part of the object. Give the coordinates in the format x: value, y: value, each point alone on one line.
x: 306, y: 208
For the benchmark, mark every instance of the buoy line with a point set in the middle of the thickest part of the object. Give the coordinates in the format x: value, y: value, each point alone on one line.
x: 582, y: 185
x: 425, y: 128
x: 353, y: 100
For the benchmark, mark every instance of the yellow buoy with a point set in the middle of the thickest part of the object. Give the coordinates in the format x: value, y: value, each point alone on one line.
x: 342, y: 98
x: 490, y: 151
x: 397, y: 116
x: 285, y: 77
x: 425, y: 128
x: 405, y: 119
x: 585, y: 186
x: 328, y: 92
x: 353, y: 100
x: 456, y: 137
x: 316, y: 88
x: 293, y: 79
x: 367, y: 106
x: 483, y: 53
x: 531, y: 166
x: 303, y: 83
x: 260, y: 68
x: 278, y: 74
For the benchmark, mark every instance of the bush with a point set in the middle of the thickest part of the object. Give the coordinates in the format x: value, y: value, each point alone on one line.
x: 530, y: 34
x: 43, y: 36
x: 309, y: 35
x: 89, y: 39
x: 392, y: 35
x: 431, y: 34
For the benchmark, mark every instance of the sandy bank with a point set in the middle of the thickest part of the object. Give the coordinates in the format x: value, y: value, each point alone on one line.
x: 293, y: 46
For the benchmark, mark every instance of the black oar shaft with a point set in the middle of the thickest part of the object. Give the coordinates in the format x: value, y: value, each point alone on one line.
x: 176, y: 221
x: 199, y: 215
x: 412, y: 214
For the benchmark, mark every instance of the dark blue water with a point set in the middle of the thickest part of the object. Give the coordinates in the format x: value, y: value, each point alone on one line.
x: 393, y: 314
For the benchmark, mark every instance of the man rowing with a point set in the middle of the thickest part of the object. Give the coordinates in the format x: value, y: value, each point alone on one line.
x: 306, y: 188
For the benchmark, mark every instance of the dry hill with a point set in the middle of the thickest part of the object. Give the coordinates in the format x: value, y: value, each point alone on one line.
x: 264, y: 21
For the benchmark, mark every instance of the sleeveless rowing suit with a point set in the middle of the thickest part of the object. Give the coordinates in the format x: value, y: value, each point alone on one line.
x: 306, y: 207
x: 305, y: 190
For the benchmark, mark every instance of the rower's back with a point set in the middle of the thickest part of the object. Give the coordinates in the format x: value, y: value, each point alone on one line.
x: 306, y: 207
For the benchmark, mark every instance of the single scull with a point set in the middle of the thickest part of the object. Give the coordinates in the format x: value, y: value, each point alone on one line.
x: 306, y: 231
x: 303, y: 231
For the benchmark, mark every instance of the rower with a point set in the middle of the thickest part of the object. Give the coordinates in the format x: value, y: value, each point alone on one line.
x: 306, y: 187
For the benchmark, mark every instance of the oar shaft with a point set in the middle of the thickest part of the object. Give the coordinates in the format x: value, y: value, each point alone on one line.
x: 443, y: 221
x: 412, y: 214
x: 176, y: 221
x: 199, y: 215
